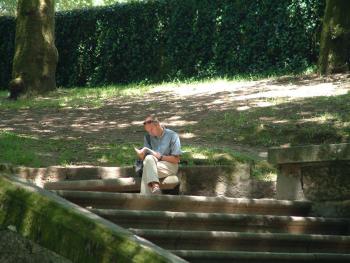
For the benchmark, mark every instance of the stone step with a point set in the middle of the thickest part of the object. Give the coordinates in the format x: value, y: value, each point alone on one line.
x: 199, y: 256
x: 224, y: 222
x: 238, y: 241
x: 128, y: 184
x: 186, y: 203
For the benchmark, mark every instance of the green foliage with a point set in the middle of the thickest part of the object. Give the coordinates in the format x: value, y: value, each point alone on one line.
x: 8, y: 7
x: 169, y: 39
x: 7, y: 44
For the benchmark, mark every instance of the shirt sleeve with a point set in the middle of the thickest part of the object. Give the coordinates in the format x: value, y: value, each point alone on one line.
x: 175, y: 147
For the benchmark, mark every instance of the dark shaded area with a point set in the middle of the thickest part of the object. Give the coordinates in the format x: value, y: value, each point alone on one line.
x: 335, y: 38
x: 16, y: 249
x: 16, y: 87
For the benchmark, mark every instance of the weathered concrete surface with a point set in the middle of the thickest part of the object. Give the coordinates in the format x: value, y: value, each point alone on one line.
x: 317, y: 172
x: 309, y: 153
x: 327, y: 181
x: 230, y: 181
x: 129, y: 184
x: 57, y: 173
x: 337, y: 209
x: 289, y: 184
x: 16, y: 249
x: 184, y: 203
x: 70, y: 230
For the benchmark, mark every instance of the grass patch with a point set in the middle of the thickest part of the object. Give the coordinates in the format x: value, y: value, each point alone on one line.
x: 74, y: 97
x: 306, y: 121
x: 18, y: 150
x: 34, y: 152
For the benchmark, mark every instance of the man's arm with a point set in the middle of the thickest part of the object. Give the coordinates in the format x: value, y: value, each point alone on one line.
x: 169, y: 158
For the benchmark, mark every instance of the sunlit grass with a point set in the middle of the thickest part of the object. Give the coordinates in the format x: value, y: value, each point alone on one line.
x: 314, y: 121
x: 34, y: 152
x: 75, y: 97
x: 97, y: 96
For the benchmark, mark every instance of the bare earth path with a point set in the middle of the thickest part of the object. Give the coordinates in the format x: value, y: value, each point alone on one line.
x: 186, y: 108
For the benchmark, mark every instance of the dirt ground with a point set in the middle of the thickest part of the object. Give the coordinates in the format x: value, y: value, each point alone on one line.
x: 183, y: 107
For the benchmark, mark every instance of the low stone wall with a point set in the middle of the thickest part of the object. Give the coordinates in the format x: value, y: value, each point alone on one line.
x: 69, y: 230
x: 231, y: 181
x: 319, y: 173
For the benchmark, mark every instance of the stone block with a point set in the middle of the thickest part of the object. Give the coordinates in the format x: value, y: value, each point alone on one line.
x: 314, y: 172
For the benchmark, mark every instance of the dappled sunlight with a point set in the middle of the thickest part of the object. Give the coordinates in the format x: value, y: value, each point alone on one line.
x: 249, y: 90
x: 292, y: 92
x: 187, y: 135
x: 179, y: 123
x: 323, y: 118
x: 245, y: 116
x: 203, y: 88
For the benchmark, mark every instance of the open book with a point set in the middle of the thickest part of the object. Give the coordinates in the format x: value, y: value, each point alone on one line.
x: 147, y: 150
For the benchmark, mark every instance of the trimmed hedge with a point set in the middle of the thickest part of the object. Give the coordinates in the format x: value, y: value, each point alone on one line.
x: 168, y: 39
x: 7, y: 40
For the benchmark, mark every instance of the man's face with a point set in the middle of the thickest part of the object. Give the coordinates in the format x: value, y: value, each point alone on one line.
x: 149, y: 126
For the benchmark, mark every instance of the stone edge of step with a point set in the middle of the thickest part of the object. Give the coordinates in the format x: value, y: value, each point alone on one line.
x: 245, y: 235
x: 215, y: 216
x: 257, y: 255
x: 133, y: 196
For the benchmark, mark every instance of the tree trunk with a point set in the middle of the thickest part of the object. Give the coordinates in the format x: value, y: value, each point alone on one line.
x: 335, y: 38
x: 36, y: 56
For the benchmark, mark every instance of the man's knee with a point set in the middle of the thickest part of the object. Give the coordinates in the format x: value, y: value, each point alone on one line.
x: 149, y: 159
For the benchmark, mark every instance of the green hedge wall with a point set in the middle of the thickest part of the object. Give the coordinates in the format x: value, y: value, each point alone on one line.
x: 7, y: 40
x: 168, y: 39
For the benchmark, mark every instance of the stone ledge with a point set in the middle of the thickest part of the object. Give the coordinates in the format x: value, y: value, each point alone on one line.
x: 69, y: 230
x: 313, y: 172
x: 309, y: 153
x: 221, y: 180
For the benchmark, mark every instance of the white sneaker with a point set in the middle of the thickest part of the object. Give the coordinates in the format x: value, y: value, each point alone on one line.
x: 156, y: 190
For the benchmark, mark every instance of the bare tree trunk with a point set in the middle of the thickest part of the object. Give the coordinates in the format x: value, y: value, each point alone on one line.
x: 36, y: 56
x: 335, y: 38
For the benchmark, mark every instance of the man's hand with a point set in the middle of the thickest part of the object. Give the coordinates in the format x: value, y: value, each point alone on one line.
x: 140, y: 152
x: 157, y: 155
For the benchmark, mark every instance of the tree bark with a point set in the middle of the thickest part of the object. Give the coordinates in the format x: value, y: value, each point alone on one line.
x: 36, y: 56
x: 335, y: 38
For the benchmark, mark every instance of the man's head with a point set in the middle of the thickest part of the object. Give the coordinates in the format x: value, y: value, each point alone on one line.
x: 152, y: 125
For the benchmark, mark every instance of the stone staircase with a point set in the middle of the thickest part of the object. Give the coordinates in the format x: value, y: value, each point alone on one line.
x: 217, y: 229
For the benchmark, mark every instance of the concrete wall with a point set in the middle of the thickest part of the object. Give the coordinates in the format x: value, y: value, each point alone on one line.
x: 319, y: 173
x: 230, y: 181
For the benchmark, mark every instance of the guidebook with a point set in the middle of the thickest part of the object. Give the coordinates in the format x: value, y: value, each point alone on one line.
x: 147, y: 150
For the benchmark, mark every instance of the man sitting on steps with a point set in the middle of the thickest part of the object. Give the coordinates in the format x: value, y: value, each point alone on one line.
x: 160, y: 155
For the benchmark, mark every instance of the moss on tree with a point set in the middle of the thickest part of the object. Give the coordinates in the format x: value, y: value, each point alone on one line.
x: 36, y: 55
x: 335, y: 38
